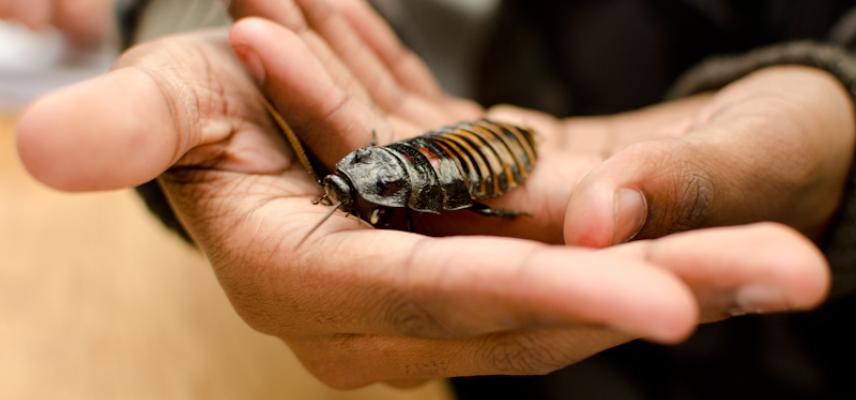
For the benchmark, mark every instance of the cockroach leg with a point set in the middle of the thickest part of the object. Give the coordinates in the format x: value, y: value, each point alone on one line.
x: 321, y: 200
x: 408, y: 221
x: 374, y: 217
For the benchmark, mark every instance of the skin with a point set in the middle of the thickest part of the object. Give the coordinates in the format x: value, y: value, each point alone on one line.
x: 359, y: 305
x: 85, y: 22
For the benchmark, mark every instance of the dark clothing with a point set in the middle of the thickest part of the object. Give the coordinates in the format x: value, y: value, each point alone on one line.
x: 582, y: 57
x: 605, y: 56
x: 800, y: 356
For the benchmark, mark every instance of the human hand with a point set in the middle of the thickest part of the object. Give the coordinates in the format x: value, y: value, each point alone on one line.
x: 775, y: 146
x: 580, y: 150
x: 83, y: 21
x: 359, y: 305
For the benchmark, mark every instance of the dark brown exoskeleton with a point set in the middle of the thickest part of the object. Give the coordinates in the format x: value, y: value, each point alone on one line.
x: 447, y: 169
x: 450, y: 168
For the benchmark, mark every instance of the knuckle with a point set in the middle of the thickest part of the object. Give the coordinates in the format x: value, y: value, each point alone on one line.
x: 691, y: 193
x: 189, y: 73
x: 694, y: 199
x: 405, y: 307
x: 684, y: 186
x: 518, y: 354
x: 408, y: 315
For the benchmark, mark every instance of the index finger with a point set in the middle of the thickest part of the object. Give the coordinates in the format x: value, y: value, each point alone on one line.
x: 349, y: 279
x: 164, y: 99
x: 467, y: 286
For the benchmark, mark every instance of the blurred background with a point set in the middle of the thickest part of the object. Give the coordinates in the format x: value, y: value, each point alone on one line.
x: 97, y: 300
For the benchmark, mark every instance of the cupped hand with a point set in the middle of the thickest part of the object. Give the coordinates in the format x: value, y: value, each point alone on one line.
x: 339, y: 75
x: 359, y: 305
x: 775, y: 146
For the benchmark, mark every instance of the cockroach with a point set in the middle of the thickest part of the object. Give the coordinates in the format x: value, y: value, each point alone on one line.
x: 450, y: 168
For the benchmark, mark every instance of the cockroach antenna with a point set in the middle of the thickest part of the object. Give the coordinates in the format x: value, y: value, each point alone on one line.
x: 321, y: 222
x: 291, y: 137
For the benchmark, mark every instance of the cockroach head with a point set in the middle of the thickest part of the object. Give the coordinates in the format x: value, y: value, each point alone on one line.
x: 338, y: 190
x: 377, y: 176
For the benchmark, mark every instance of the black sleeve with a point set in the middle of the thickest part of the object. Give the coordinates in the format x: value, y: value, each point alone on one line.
x: 158, y: 205
x: 838, y: 57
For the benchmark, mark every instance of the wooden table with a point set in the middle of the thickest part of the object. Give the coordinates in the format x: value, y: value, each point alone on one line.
x: 98, y: 301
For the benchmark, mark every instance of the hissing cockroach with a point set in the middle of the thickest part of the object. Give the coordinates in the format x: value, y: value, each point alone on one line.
x: 450, y: 168
x: 447, y: 169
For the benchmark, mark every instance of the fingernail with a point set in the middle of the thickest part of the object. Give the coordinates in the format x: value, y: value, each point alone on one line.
x: 630, y: 214
x: 252, y: 62
x: 758, y: 299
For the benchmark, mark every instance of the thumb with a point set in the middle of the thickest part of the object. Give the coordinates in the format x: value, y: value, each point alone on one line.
x: 132, y: 124
x: 756, y: 153
x: 110, y: 132
x: 648, y: 190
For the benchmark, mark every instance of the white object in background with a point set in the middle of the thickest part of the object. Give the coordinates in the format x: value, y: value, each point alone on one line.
x: 22, y: 49
x: 34, y: 63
